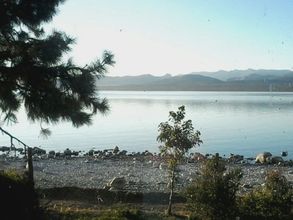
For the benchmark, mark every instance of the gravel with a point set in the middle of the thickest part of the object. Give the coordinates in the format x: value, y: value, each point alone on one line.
x: 143, y: 175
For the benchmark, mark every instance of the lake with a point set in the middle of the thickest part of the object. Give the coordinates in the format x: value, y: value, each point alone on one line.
x: 230, y: 122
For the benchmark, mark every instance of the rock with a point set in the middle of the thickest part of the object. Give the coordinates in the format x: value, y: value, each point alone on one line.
x: 137, y: 154
x: 75, y: 153
x: 156, y: 164
x: 52, y: 153
x: 235, y: 158
x: 264, y: 157
x: 97, y: 153
x: 117, y: 183
x: 91, y: 153
x: 147, y: 153
x: 67, y: 152
x: 116, y: 150
x: 246, y: 186
x: 284, y: 154
x: 277, y: 160
x: 19, y: 149
x: 198, y: 157
x: 3, y: 148
x: 250, y: 158
x: 123, y: 153
x: 38, y: 151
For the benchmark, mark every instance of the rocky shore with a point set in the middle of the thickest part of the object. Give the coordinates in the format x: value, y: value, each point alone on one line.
x: 138, y: 172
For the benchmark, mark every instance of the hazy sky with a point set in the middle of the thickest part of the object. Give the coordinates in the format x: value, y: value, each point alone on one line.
x: 180, y: 36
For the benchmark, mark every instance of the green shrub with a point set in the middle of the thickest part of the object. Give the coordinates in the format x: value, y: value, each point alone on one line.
x: 213, y: 194
x: 18, y: 198
x: 271, y: 201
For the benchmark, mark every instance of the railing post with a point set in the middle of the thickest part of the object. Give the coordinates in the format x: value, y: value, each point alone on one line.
x: 30, y: 165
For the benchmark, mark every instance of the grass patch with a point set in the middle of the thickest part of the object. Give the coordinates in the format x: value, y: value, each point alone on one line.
x: 109, y: 213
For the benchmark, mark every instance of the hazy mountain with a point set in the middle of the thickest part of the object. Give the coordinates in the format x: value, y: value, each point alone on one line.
x: 241, y: 74
x: 236, y: 80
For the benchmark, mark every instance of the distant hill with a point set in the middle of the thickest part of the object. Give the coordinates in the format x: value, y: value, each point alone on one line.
x: 236, y: 80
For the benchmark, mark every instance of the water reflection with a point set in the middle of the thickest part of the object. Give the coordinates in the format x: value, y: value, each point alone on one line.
x: 236, y: 103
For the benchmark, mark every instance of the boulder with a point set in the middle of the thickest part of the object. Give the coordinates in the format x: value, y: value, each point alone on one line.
x: 3, y: 148
x: 67, y: 152
x: 38, y: 151
x: 123, y: 153
x: 147, y: 153
x: 97, y: 153
x: 91, y: 152
x: 198, y: 157
x: 235, y: 158
x: 277, y: 160
x: 264, y: 157
x: 116, y: 150
x: 20, y: 149
x: 117, y: 183
x: 51, y: 154
x: 75, y: 153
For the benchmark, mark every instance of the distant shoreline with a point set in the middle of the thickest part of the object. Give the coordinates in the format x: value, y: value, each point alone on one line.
x: 161, y: 90
x: 237, y: 80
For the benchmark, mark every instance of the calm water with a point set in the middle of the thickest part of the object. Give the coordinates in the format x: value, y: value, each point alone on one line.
x: 230, y: 122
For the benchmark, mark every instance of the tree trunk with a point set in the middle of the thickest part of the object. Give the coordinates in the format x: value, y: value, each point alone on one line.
x: 171, y: 191
x: 30, y: 166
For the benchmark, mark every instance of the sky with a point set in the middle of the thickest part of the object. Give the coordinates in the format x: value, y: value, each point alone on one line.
x: 180, y: 36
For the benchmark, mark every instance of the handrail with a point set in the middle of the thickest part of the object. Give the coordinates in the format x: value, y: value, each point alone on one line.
x: 15, y: 138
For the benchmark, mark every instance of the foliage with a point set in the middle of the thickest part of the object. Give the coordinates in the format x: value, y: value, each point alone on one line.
x: 32, y: 70
x: 213, y: 194
x: 13, y: 175
x: 274, y: 200
x: 18, y: 197
x: 178, y: 137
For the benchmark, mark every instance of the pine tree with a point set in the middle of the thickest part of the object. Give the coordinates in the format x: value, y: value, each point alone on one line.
x: 34, y: 73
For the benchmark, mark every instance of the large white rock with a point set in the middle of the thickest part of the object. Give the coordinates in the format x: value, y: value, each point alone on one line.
x: 264, y: 157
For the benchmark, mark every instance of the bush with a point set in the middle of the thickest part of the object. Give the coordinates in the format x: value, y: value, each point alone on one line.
x: 18, y: 197
x: 271, y: 201
x: 213, y: 194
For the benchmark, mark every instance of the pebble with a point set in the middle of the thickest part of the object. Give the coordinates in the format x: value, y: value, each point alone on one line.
x: 85, y: 173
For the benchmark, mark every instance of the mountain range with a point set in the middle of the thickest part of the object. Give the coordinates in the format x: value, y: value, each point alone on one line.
x: 235, y: 80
